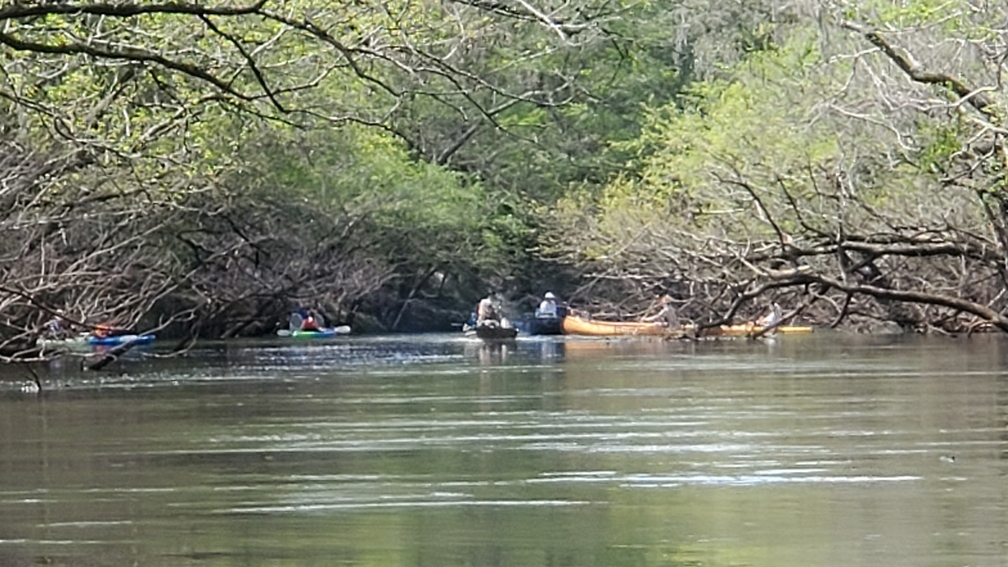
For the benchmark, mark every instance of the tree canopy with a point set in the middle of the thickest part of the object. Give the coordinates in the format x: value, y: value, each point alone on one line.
x: 200, y: 167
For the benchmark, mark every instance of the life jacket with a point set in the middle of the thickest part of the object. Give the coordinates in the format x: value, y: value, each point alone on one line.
x: 309, y: 324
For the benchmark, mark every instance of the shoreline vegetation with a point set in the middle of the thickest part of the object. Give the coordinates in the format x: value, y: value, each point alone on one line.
x: 196, y: 171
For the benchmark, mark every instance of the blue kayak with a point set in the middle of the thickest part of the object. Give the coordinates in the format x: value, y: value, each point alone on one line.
x: 120, y: 339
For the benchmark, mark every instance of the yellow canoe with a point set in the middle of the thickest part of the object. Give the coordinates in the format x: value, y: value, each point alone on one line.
x: 572, y: 325
x: 748, y: 329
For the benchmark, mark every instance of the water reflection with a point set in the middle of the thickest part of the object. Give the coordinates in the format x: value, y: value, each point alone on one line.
x: 440, y: 450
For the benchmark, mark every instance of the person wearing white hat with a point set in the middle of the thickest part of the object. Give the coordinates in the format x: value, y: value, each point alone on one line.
x: 548, y: 308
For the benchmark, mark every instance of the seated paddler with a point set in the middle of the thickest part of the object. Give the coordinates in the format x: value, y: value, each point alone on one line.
x: 304, y: 319
x: 667, y: 315
x: 773, y: 316
x: 487, y: 313
x: 548, y: 308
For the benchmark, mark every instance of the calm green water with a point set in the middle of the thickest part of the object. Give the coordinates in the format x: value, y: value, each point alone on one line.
x: 437, y: 451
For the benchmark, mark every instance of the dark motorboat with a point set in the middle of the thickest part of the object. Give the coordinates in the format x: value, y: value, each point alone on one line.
x: 496, y: 333
x: 540, y: 325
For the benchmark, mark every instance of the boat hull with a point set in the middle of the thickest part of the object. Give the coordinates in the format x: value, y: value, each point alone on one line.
x: 748, y: 330
x: 325, y: 333
x: 572, y: 325
x: 488, y: 333
x: 540, y: 325
x: 71, y: 343
x: 120, y: 339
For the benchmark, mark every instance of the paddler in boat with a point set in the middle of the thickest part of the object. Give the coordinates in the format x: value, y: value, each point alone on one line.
x: 668, y: 315
x: 771, y: 318
x: 105, y: 331
x: 547, y: 318
x: 313, y: 322
x: 488, y: 313
x: 304, y: 319
x: 548, y: 307
x: 58, y: 326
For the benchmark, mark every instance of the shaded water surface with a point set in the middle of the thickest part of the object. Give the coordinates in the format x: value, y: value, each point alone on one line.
x: 437, y: 451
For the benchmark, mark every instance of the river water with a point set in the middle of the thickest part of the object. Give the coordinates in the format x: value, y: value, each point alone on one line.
x: 434, y: 450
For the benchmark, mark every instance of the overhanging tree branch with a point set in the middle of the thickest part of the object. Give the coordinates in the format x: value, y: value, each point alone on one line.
x: 124, y: 10
x: 128, y: 53
x: 977, y: 98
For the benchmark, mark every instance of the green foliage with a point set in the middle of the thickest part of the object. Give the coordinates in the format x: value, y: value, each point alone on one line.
x: 416, y: 212
x: 724, y: 131
x: 737, y: 158
x: 456, y: 136
x: 906, y: 14
x: 940, y: 141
